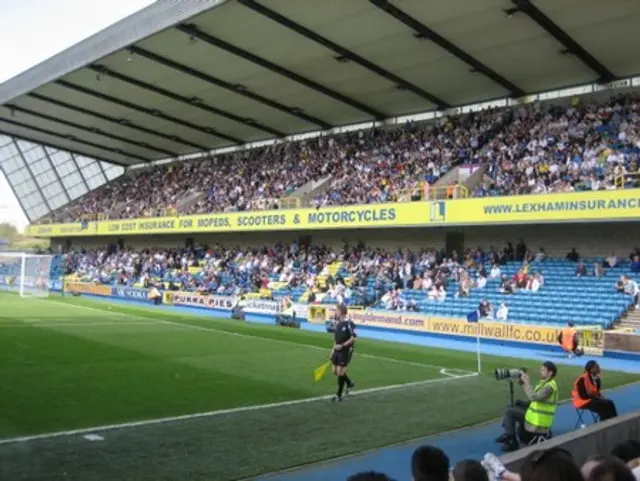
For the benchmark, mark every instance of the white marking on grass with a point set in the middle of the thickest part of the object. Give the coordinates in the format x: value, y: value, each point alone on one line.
x: 93, y: 437
x: 441, y: 370
x: 28, y: 323
x: 222, y: 412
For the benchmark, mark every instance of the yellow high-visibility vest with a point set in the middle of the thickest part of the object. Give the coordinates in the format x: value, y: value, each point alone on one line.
x: 541, y: 413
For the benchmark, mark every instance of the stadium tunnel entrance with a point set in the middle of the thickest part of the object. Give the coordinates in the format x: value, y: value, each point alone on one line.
x: 590, y: 239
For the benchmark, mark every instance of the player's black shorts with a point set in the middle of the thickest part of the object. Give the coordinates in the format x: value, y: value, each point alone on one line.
x: 342, y: 357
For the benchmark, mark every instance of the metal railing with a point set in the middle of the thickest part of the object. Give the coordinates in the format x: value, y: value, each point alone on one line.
x: 621, y: 180
x: 424, y: 192
x: 290, y: 203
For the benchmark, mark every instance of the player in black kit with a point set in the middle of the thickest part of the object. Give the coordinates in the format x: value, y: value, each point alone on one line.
x: 344, y: 342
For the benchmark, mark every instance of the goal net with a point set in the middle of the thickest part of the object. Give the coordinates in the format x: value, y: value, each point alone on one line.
x: 26, y: 274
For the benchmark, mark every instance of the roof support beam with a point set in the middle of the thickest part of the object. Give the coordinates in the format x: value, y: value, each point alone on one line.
x: 82, y: 176
x: 141, y: 109
x: 101, y: 169
x: 101, y: 69
x: 193, y: 31
x: 33, y: 177
x: 343, y: 52
x: 15, y: 194
x: 91, y: 130
x: 70, y: 137
x: 55, y: 172
x: 572, y: 47
x: 113, y: 120
x: 422, y: 31
x: 293, y: 111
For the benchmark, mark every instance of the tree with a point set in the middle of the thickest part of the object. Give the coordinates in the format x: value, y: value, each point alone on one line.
x: 8, y: 232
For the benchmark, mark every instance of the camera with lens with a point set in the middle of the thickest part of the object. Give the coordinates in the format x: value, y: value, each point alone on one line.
x: 503, y: 374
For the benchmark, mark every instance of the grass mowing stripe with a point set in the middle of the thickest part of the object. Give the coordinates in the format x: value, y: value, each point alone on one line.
x: 444, y: 371
x: 222, y: 412
x: 29, y: 323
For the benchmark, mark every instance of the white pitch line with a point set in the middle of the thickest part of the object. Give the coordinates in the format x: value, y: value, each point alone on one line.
x: 280, y: 341
x: 74, y: 324
x: 185, y: 417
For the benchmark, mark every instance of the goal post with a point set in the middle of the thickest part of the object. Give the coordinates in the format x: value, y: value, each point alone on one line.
x: 25, y: 274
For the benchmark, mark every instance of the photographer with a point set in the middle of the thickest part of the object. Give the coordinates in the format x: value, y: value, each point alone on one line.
x: 237, y: 310
x: 534, y: 416
x: 287, y: 316
x: 569, y: 339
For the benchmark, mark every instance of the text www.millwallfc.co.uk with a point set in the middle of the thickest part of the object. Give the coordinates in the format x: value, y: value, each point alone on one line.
x: 506, y: 331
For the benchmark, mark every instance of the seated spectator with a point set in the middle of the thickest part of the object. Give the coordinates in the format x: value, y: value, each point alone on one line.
x: 610, y: 469
x: 631, y: 288
x: 573, y: 255
x: 555, y: 464
x: 481, y: 283
x: 507, y: 286
x: 429, y: 463
x: 635, y: 264
x: 627, y: 451
x: 611, y: 261
x: 369, y: 476
x: 541, y: 256
x: 587, y: 393
x: 469, y: 470
x: 503, y: 312
x: 581, y: 270
x: 598, y: 270
x: 464, y: 287
x: 534, y: 283
x: 520, y: 279
x: 495, y: 272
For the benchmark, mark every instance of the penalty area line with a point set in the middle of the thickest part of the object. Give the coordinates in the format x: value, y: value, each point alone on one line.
x: 449, y: 372
x: 185, y: 417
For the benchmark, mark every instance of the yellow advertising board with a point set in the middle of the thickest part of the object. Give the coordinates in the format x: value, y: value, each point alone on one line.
x: 570, y: 207
x: 352, y: 217
x: 456, y: 327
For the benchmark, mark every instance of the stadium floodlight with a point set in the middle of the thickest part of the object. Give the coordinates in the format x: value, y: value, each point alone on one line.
x: 26, y: 274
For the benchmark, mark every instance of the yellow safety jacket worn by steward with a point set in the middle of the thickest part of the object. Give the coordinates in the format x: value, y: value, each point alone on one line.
x: 540, y: 414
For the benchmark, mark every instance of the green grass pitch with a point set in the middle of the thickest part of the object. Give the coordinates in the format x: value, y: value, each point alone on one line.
x: 69, y: 363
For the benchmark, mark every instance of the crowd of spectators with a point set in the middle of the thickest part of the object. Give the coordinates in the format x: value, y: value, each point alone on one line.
x: 430, y: 463
x: 225, y: 270
x: 366, y: 276
x: 530, y: 149
x: 579, y: 148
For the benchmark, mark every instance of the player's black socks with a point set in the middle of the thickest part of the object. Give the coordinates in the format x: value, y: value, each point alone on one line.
x: 341, y: 383
x: 348, y: 381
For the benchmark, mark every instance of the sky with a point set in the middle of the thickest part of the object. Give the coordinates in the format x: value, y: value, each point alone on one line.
x: 31, y: 31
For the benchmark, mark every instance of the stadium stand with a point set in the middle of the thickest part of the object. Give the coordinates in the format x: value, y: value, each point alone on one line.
x: 532, y: 149
x: 544, y: 291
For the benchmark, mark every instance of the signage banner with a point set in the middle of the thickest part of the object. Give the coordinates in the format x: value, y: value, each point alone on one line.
x: 318, y: 314
x: 378, y: 215
x: 196, y: 300
x: 622, y: 204
x: 261, y: 306
x: 457, y: 327
x: 130, y: 293
x: 602, y: 205
x: 301, y: 310
x: 87, y: 288
x: 167, y: 297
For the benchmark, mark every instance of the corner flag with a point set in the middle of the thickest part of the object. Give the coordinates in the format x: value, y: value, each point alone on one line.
x: 319, y: 372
